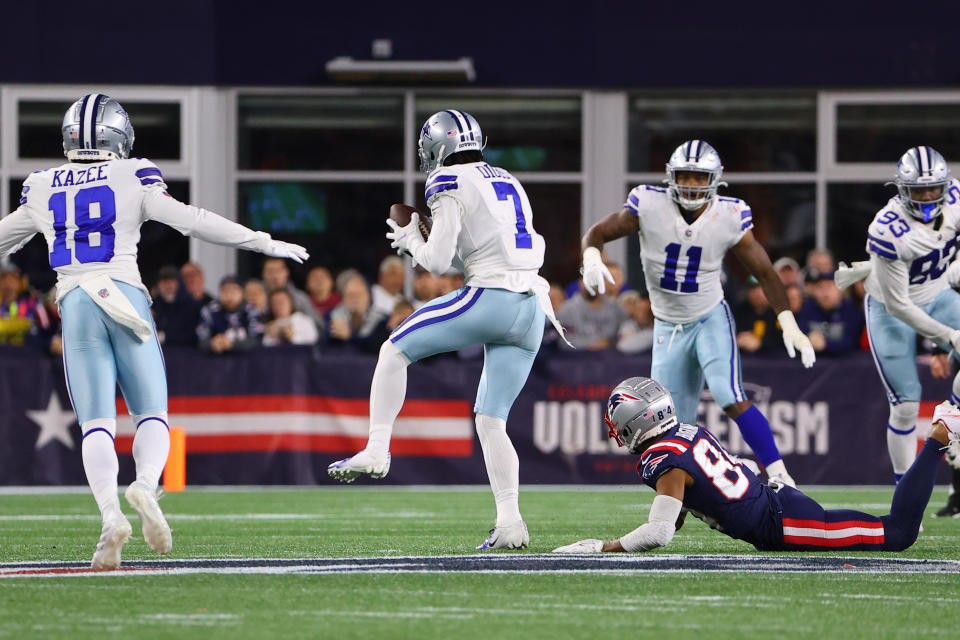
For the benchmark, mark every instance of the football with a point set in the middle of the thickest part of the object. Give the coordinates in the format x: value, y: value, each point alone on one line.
x: 400, y: 213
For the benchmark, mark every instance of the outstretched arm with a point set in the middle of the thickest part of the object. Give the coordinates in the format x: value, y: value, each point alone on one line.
x: 663, y: 521
x: 615, y: 225
x: 754, y: 257
x: 15, y: 230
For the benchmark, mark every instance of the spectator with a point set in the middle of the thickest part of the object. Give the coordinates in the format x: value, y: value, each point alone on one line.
x: 288, y: 326
x: 320, y: 288
x: 276, y: 276
x: 820, y: 260
x: 45, y: 334
x: 426, y: 287
x: 592, y: 321
x: 174, y: 310
x: 389, y: 288
x: 788, y: 270
x: 256, y: 294
x: 795, y: 297
x: 401, y: 312
x: 619, y: 281
x: 636, y: 332
x: 195, y: 283
x: 830, y: 320
x: 19, y: 309
x: 229, y: 324
x: 354, y: 321
x: 450, y: 281
x: 756, y: 321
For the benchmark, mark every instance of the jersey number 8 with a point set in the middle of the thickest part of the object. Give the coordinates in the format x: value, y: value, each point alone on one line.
x: 725, y: 475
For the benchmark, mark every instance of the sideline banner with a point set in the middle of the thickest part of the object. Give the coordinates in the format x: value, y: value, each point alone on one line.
x: 279, y: 416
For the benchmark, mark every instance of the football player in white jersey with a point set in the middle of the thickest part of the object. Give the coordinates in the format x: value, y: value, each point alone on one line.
x: 90, y: 211
x: 911, y: 242
x: 685, y: 230
x: 483, y: 226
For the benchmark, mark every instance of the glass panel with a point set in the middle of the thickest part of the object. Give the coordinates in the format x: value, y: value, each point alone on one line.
x: 321, y: 132
x: 556, y: 216
x: 850, y: 208
x: 340, y: 224
x: 523, y: 133
x: 882, y: 132
x: 156, y: 126
x: 784, y: 217
x: 159, y: 244
x: 752, y: 131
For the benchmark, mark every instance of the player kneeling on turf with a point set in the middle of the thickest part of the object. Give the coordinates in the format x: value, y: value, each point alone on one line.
x: 692, y: 472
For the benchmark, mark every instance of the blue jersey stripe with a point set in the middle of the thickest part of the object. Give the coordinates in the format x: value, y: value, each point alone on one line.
x: 746, y: 225
x: 434, y: 180
x: 634, y: 200
x: 746, y: 213
x: 880, y: 251
x: 437, y: 189
x: 149, y: 171
x: 883, y: 243
x: 150, y: 180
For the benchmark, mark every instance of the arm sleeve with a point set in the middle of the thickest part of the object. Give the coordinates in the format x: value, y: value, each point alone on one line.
x: 892, y: 279
x: 436, y: 254
x: 15, y: 230
x: 659, y: 528
x: 200, y: 223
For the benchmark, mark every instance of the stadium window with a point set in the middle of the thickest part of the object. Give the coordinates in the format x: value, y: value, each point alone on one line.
x: 524, y: 133
x: 320, y: 133
x: 882, y: 132
x: 850, y: 209
x: 340, y: 224
x: 156, y: 126
x: 752, y: 131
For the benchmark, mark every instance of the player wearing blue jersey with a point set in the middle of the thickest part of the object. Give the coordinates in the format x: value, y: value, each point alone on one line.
x: 90, y: 211
x: 483, y: 226
x: 692, y: 473
x: 685, y: 231
x: 911, y: 242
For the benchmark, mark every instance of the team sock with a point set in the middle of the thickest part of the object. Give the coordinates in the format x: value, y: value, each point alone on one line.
x: 756, y: 432
x: 151, y: 445
x: 503, y: 467
x: 902, y: 437
x: 387, y: 392
x: 101, y: 466
x: 913, y: 491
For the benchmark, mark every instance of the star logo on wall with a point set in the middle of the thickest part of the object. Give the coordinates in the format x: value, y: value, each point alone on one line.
x: 54, y: 423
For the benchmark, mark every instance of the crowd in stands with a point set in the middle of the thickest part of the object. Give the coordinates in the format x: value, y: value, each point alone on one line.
x: 346, y: 311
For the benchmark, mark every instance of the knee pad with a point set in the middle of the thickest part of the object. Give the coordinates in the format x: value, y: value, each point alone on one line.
x: 107, y: 425
x: 160, y: 417
x: 904, y: 415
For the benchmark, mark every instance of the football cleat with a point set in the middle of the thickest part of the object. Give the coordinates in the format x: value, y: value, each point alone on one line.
x: 363, y: 463
x: 513, y: 536
x: 156, y: 531
x: 949, y: 414
x: 112, y: 538
x: 951, y: 509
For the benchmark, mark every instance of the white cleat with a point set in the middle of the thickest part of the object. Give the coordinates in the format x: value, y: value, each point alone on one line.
x: 156, y: 531
x: 949, y: 414
x: 363, y: 463
x: 514, y: 536
x: 112, y: 538
x: 782, y: 479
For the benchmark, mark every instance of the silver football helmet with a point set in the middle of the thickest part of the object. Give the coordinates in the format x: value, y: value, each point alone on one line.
x: 922, y: 168
x: 639, y: 409
x: 697, y: 156
x: 96, y: 127
x: 445, y: 133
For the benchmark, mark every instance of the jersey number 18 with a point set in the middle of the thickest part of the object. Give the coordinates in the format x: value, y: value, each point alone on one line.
x: 101, y: 225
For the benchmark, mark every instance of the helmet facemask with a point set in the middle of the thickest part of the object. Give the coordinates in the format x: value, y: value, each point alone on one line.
x: 922, y: 169
x: 694, y: 156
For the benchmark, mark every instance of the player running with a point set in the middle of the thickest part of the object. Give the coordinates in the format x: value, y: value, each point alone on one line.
x: 483, y: 226
x: 685, y: 230
x: 90, y: 211
x: 693, y: 473
x: 911, y: 242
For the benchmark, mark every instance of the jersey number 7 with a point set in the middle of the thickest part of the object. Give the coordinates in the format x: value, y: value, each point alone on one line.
x: 505, y: 191
x: 101, y: 225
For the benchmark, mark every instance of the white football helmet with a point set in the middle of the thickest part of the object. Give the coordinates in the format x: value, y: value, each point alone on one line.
x: 922, y: 167
x: 445, y: 133
x: 694, y: 156
x: 96, y: 127
x: 639, y: 409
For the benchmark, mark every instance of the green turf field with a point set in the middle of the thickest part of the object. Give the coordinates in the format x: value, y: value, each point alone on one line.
x: 367, y: 522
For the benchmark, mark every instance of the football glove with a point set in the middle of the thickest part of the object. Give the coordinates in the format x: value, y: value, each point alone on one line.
x: 405, y: 238
x: 595, y: 272
x: 846, y: 274
x: 287, y: 250
x: 583, y: 546
x: 794, y: 339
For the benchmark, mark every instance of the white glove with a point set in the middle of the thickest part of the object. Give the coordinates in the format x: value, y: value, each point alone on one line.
x: 846, y: 275
x: 583, y: 546
x: 595, y: 272
x: 955, y: 340
x: 405, y: 238
x: 279, y: 249
x: 794, y: 339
